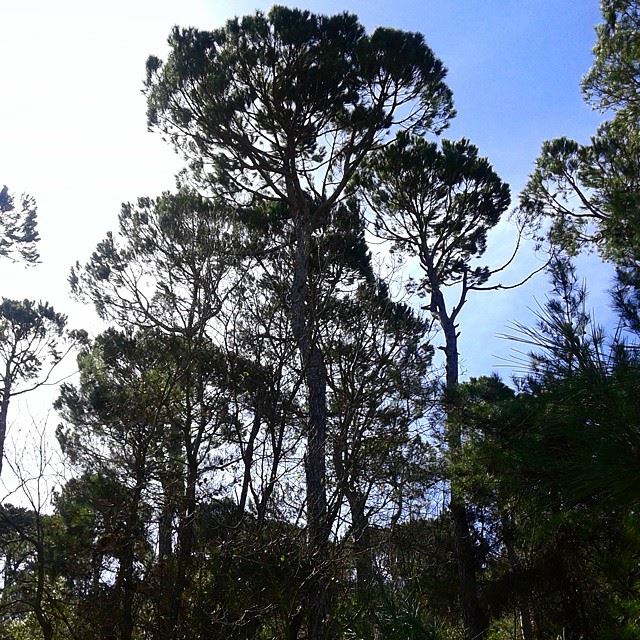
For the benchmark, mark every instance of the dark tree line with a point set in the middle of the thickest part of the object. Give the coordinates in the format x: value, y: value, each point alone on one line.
x: 264, y: 441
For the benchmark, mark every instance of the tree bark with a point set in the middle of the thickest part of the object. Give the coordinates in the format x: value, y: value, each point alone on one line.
x: 44, y: 622
x: 4, y: 410
x: 474, y: 616
x: 361, y: 535
x: 184, y: 555
x: 247, y: 459
x: 125, y: 586
x: 315, y: 375
x: 166, y: 562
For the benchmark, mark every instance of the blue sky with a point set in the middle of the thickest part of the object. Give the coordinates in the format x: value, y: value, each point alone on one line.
x: 73, y: 130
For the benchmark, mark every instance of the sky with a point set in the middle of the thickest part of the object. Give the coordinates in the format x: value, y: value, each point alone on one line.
x: 73, y: 126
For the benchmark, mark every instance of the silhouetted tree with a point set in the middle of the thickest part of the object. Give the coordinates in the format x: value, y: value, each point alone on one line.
x: 438, y: 204
x: 18, y: 233
x: 286, y: 106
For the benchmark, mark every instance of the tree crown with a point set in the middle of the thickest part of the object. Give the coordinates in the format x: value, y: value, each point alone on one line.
x: 290, y: 102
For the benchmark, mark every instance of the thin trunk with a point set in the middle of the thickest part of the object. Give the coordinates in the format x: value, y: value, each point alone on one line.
x: 38, y: 609
x: 184, y: 556
x: 125, y: 579
x: 474, y: 616
x: 127, y: 591
x: 526, y: 623
x: 184, y: 499
x: 4, y: 410
x: 276, y: 447
x: 520, y: 589
x: 294, y: 624
x: 247, y: 458
x: 166, y: 561
x: 360, y: 531
x: 96, y: 570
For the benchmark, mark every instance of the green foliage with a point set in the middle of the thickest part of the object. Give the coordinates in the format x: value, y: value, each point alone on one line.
x: 18, y: 233
x: 436, y: 203
x: 30, y: 334
x: 33, y: 341
x: 589, y: 193
x: 614, y: 78
x: 166, y: 266
x: 254, y: 338
x: 291, y: 93
x: 260, y: 588
x: 553, y: 470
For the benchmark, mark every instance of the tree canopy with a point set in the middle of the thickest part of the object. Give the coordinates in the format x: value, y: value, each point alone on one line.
x: 18, y: 221
x: 271, y: 434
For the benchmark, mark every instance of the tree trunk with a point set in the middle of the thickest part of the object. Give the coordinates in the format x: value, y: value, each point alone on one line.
x: 44, y: 622
x: 166, y: 563
x: 361, y: 535
x: 276, y: 441
x: 125, y: 580
x: 293, y: 625
x: 127, y: 592
x: 184, y: 555
x: 362, y: 544
x: 315, y: 375
x: 247, y: 459
x: 474, y: 616
x: 4, y: 410
x: 521, y: 592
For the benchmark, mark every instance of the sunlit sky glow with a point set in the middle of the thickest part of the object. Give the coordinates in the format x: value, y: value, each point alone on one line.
x: 73, y: 127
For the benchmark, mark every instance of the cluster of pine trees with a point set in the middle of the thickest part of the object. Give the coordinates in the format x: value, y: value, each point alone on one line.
x: 265, y: 441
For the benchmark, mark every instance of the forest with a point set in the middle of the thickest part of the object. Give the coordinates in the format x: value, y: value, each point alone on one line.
x: 271, y: 436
